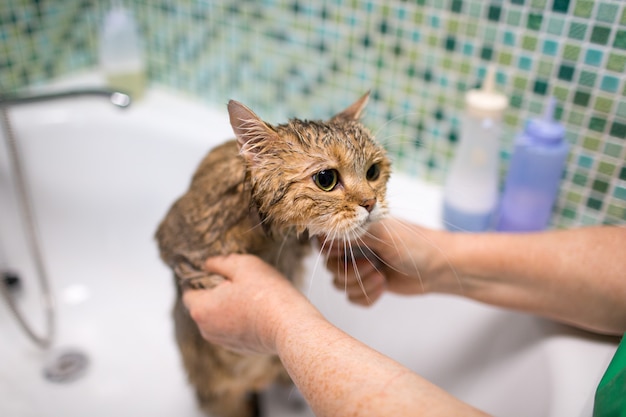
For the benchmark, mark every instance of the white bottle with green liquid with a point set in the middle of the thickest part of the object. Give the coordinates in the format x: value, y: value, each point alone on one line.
x: 471, y: 188
x: 120, y: 53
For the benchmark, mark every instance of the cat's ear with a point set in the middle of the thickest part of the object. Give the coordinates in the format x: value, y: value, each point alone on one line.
x: 252, y: 133
x: 354, y: 111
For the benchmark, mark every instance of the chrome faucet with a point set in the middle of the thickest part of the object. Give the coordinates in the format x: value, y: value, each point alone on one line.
x: 117, y: 98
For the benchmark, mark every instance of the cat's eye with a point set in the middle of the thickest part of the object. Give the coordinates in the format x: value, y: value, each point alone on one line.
x: 327, y: 179
x: 373, y: 172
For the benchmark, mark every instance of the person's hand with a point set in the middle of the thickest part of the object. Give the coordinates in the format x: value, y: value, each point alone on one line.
x: 400, y: 257
x: 246, y: 311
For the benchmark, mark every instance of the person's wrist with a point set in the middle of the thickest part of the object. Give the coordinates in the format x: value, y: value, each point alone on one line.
x: 300, y: 317
x: 446, y: 261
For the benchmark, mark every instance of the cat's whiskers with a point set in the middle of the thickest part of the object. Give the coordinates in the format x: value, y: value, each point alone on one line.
x: 437, y: 247
x: 407, y: 251
x: 280, y: 249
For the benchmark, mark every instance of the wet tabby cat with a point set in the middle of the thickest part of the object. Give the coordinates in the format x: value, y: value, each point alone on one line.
x: 266, y: 193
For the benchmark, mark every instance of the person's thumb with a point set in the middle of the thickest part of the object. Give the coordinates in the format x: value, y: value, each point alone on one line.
x: 221, y: 265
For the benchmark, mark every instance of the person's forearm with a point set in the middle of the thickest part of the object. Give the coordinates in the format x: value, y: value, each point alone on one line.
x: 576, y: 276
x: 340, y: 376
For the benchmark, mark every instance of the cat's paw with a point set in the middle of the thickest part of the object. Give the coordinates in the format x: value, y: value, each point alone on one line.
x: 207, y: 281
x: 190, y: 277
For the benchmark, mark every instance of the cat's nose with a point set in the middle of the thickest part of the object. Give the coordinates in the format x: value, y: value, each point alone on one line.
x: 369, y: 204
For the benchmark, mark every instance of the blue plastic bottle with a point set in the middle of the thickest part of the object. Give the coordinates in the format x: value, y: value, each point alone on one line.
x: 535, y: 172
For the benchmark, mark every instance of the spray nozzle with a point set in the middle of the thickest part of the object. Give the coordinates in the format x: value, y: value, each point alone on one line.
x: 548, y: 113
x: 486, y: 102
x: 489, y: 83
x: 546, y: 129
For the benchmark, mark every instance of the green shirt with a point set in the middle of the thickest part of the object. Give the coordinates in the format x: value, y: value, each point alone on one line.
x: 610, y: 400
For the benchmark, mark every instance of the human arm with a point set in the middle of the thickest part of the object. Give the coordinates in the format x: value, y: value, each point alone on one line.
x: 576, y: 276
x: 256, y: 310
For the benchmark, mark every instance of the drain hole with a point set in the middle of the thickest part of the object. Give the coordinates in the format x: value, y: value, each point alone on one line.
x: 66, y: 366
x: 12, y: 281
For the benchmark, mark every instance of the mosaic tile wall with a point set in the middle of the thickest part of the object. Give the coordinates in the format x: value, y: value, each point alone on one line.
x: 310, y: 58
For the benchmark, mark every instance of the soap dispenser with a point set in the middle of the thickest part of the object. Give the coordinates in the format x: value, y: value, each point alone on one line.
x: 471, y: 188
x: 532, y: 182
x: 120, y: 53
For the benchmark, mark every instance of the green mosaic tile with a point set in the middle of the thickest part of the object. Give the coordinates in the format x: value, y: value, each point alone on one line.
x: 594, y: 203
x: 600, y: 186
x: 561, y: 93
x: 588, y: 79
x: 583, y: 8
x: 616, y: 62
x: 538, y: 4
x: 493, y: 13
x: 574, y: 197
x: 606, y: 168
x: 505, y: 58
x: 597, y: 124
x: 560, y: 6
x: 513, y: 17
x: 571, y: 52
x: 541, y: 87
x: 618, y: 129
x: 545, y: 68
x: 475, y: 10
x: 516, y: 101
x: 569, y: 213
x: 580, y: 179
x: 471, y: 30
x: 592, y: 143
x: 622, y: 19
x: 575, y: 118
x: 529, y: 43
x: 566, y: 72
x: 622, y: 174
x: 520, y: 83
x: 456, y: 6
x: 616, y: 212
x: 600, y: 35
x: 621, y: 109
x: 534, y: 21
x: 581, y: 98
x: 603, y: 104
x: 577, y: 31
x: 607, y: 12
x: 620, y: 39
x: 612, y: 150
x: 620, y: 193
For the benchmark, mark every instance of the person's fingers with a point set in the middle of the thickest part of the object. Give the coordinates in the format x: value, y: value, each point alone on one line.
x: 363, y: 290
x: 348, y: 269
x: 370, y: 283
x: 367, y: 297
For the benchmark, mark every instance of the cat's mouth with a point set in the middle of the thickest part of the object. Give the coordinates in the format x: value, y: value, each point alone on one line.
x: 355, y: 228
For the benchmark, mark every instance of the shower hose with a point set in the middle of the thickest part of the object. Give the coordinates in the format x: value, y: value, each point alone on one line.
x: 45, y: 339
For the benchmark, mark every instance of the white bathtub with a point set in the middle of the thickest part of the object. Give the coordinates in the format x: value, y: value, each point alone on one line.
x: 102, y: 178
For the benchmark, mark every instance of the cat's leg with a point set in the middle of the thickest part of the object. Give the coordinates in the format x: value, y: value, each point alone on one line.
x: 230, y: 404
x: 189, y: 276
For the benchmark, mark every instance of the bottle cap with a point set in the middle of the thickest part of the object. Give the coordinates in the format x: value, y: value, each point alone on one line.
x: 486, y: 101
x: 546, y: 129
